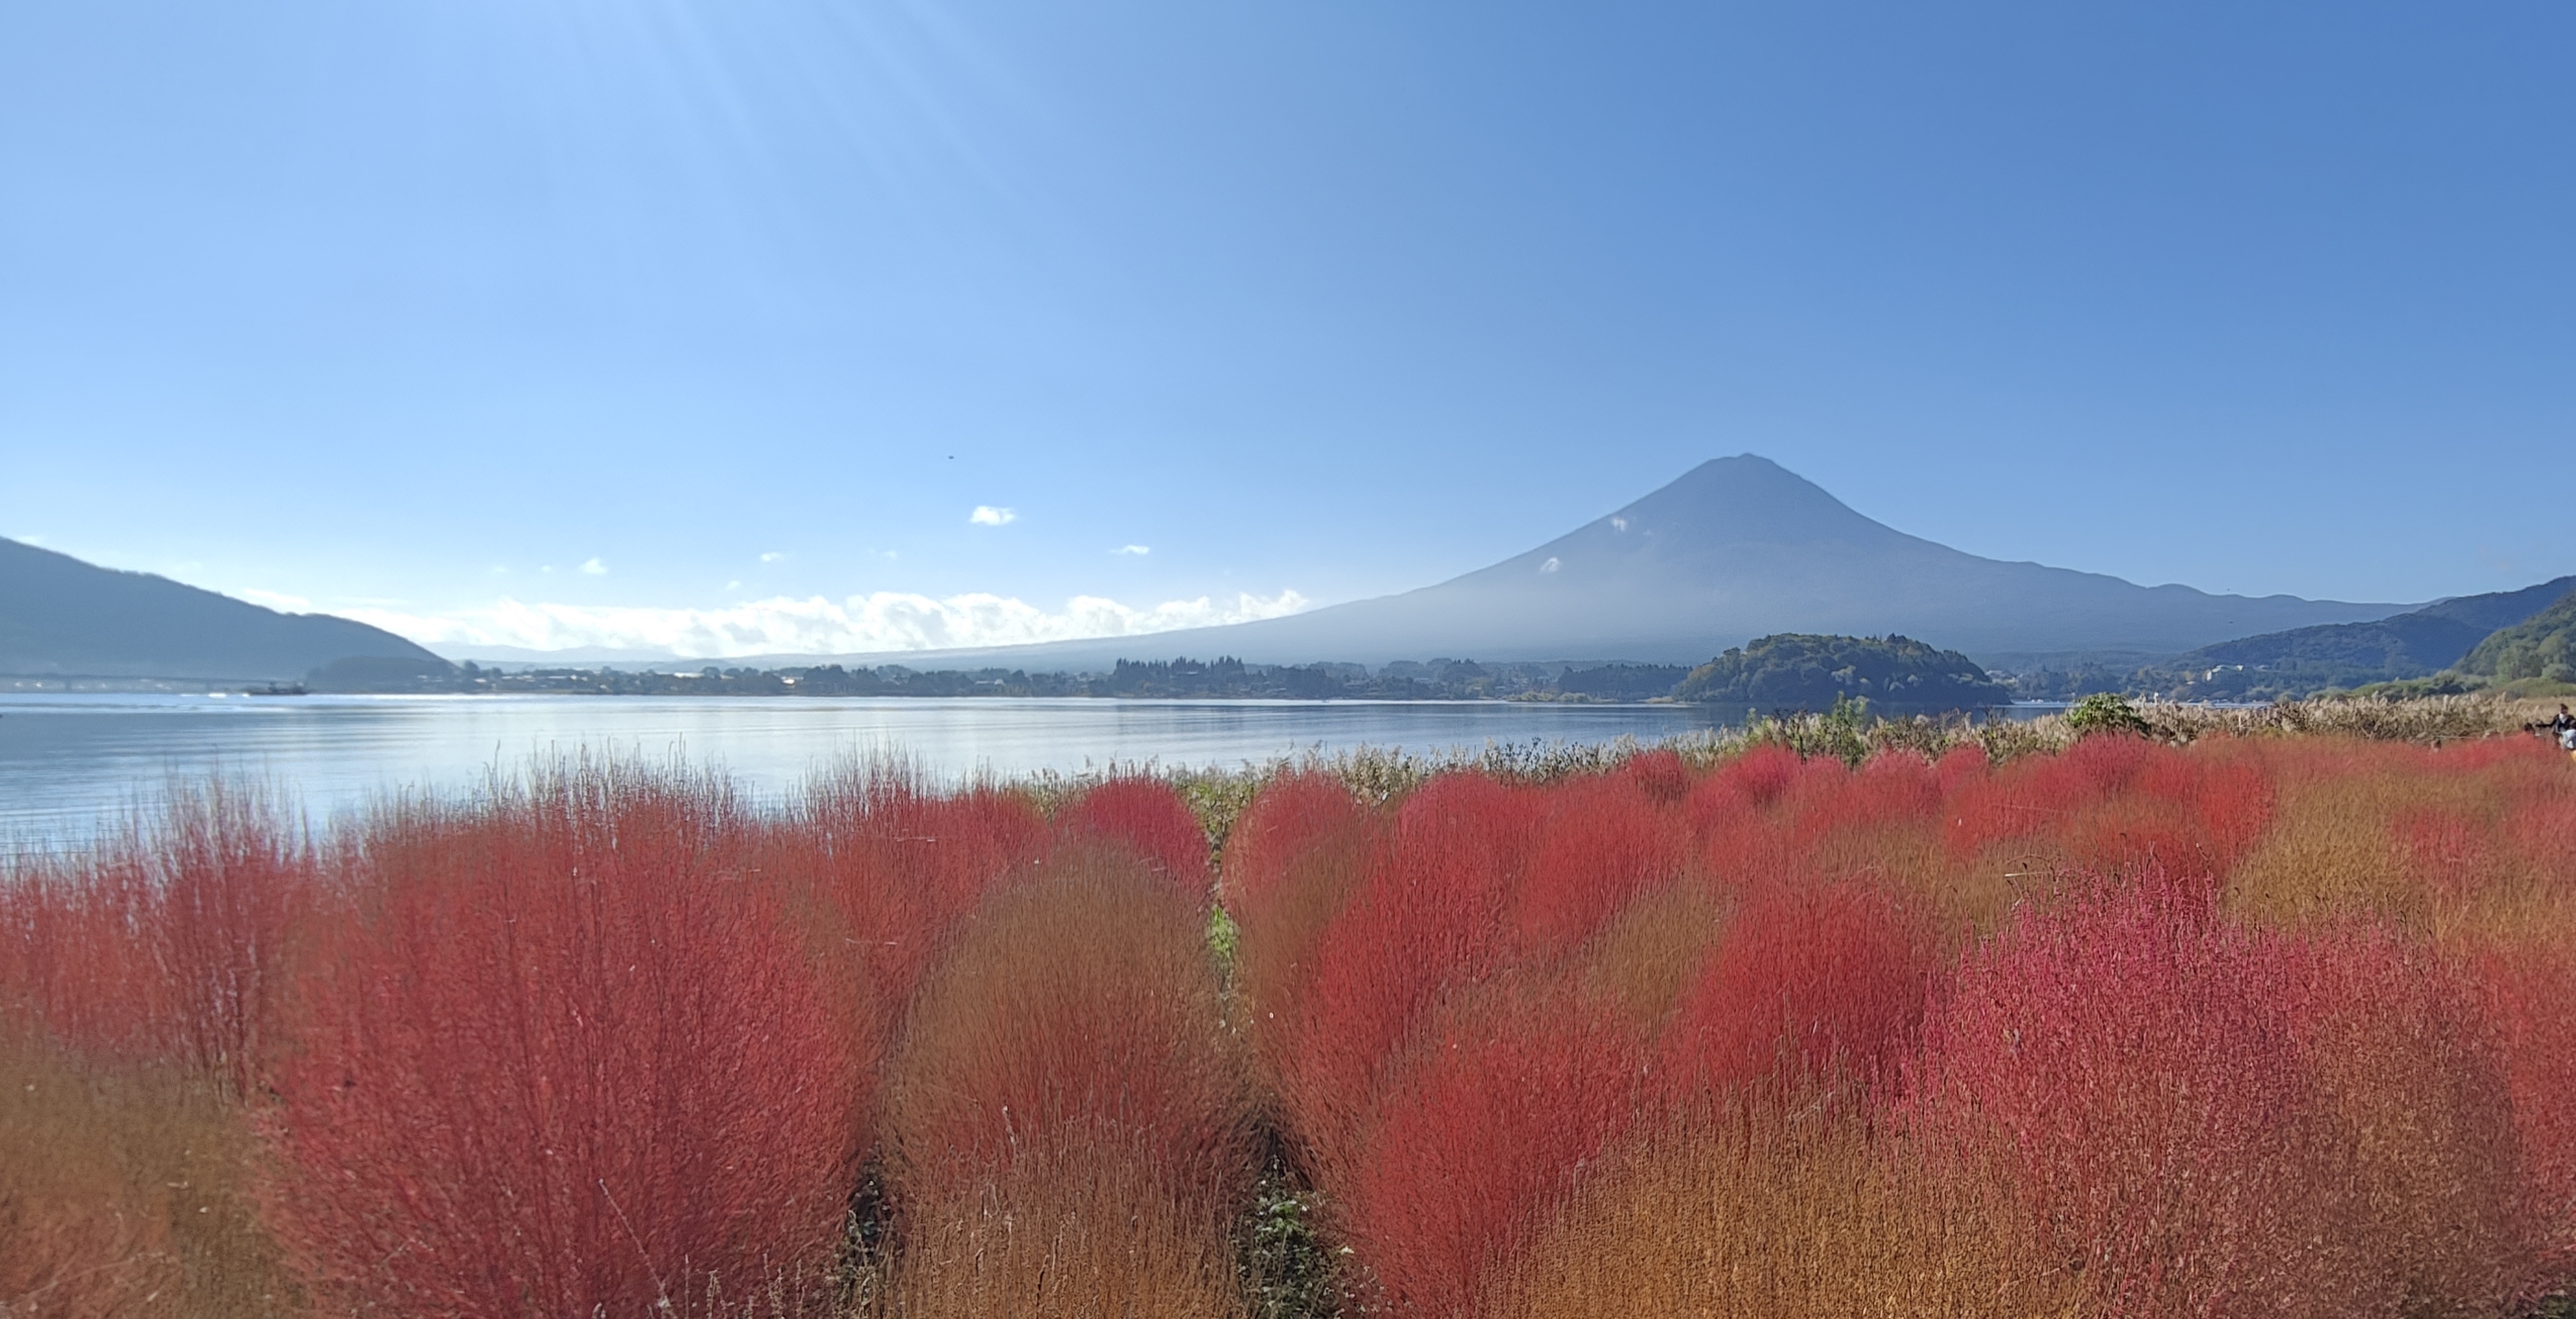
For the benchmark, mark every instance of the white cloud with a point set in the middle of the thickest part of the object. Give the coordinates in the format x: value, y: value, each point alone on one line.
x: 592, y: 567
x: 1133, y: 549
x: 985, y: 515
x: 772, y: 556
x: 1551, y: 565
x: 293, y: 604
x: 884, y: 621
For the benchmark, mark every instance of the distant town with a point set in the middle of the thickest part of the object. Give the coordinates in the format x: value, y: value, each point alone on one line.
x: 1436, y: 680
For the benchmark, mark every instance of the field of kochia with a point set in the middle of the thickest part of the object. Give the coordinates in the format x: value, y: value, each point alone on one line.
x: 2252, y: 1026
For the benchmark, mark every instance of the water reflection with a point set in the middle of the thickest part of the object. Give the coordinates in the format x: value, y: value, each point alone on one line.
x: 69, y: 760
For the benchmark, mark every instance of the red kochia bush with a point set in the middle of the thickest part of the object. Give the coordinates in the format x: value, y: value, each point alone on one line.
x: 1756, y: 778
x: 169, y: 943
x: 2423, y: 1182
x: 1299, y: 849
x: 235, y: 891
x: 76, y: 955
x: 1148, y: 818
x: 1810, y: 980
x: 1602, y: 840
x: 1660, y: 774
x: 2111, y: 802
x: 1428, y: 915
x: 902, y: 864
x: 1506, y: 1098
x: 2530, y: 991
x: 1293, y: 822
x: 1892, y: 787
x: 568, y: 1063
x: 2132, y: 1061
x: 1735, y: 814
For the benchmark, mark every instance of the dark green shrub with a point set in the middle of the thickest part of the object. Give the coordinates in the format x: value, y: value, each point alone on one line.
x: 2103, y: 712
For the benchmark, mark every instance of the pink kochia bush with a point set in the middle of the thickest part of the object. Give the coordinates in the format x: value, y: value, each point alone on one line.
x: 567, y: 1060
x: 2206, y: 1119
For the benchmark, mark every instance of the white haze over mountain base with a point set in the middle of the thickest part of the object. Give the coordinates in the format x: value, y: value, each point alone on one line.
x: 860, y: 624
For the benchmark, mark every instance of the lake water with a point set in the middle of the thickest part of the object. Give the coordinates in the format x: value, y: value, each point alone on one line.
x: 68, y: 761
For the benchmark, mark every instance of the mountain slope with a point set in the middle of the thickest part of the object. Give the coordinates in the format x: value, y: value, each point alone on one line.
x: 1735, y: 549
x: 2302, y: 660
x: 60, y: 617
x: 2542, y: 646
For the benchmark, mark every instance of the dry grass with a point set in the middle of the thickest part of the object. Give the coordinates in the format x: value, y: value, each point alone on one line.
x: 2410, y: 1090
x: 2427, y: 719
x: 2329, y: 858
x: 1083, y: 1233
x: 124, y: 1191
x: 1774, y: 1214
x: 1066, y: 1119
x: 1643, y: 959
x: 1297, y: 854
x: 2449, y: 842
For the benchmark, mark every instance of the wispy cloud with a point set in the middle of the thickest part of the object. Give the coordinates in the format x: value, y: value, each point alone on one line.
x: 884, y: 621
x: 772, y: 556
x: 293, y: 604
x: 1133, y: 549
x: 985, y: 515
x: 592, y: 567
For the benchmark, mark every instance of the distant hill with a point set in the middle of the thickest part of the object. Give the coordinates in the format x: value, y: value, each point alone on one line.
x: 2542, y: 646
x: 1894, y: 674
x: 2346, y: 655
x: 1737, y: 548
x: 62, y: 618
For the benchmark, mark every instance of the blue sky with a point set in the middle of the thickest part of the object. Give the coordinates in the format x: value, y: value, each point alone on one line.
x: 413, y: 309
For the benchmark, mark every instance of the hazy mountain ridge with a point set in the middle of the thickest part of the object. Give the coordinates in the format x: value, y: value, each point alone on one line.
x: 1737, y: 548
x: 63, y: 618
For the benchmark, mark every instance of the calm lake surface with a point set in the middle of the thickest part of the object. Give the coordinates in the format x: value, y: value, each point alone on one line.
x: 69, y: 761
